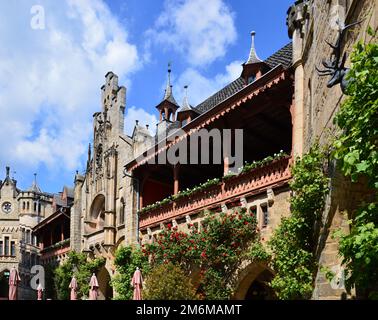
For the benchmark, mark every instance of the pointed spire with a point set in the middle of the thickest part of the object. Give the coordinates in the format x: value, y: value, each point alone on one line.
x: 7, y: 177
x: 253, y: 58
x: 168, y: 95
x: 185, y: 102
x: 168, y: 90
x: 35, y: 187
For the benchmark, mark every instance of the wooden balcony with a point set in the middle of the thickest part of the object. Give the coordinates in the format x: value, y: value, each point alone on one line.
x: 272, y: 175
x: 56, y: 250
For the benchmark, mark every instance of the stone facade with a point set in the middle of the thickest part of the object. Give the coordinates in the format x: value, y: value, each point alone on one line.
x: 20, y: 212
x: 311, y: 23
x: 100, y: 219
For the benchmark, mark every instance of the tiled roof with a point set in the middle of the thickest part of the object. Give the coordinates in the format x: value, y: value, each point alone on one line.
x: 282, y: 56
x: 221, y: 95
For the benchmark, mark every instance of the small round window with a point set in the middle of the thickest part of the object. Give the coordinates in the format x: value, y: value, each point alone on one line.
x: 6, y: 207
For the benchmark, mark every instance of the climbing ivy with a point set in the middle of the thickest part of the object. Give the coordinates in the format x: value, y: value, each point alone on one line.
x: 292, y: 242
x: 357, y: 151
x: 83, y: 271
x: 127, y: 259
x: 357, y: 146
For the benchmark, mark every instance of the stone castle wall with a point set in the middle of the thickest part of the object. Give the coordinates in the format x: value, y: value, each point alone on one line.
x: 312, y: 24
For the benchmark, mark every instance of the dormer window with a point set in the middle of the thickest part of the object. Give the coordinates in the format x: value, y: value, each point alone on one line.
x: 254, y: 68
x: 251, y: 78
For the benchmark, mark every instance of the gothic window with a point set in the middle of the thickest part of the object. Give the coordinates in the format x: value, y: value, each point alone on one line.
x: 13, y: 249
x: 35, y: 206
x: 27, y: 206
x: 23, y: 205
x: 264, y: 214
x: 1, y: 247
x: 97, y: 212
x: 6, y: 246
x: 39, y: 208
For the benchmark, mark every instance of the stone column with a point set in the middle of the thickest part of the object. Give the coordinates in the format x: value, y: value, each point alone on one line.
x: 76, y: 210
x: 295, y: 21
x: 225, y: 166
x: 176, y: 181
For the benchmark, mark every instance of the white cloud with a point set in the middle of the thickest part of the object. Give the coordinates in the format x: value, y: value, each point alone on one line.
x: 202, y: 87
x: 50, y: 79
x: 200, y: 30
x: 144, y: 118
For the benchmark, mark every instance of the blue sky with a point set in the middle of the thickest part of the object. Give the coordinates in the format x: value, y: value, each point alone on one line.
x: 50, y: 78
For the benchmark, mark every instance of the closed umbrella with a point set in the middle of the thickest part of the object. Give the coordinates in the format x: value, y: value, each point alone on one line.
x: 39, y: 292
x: 137, y: 282
x: 14, y: 279
x: 73, y: 286
x: 93, y: 288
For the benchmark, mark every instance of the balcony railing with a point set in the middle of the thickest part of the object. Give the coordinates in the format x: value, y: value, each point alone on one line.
x: 59, y: 245
x: 273, y: 174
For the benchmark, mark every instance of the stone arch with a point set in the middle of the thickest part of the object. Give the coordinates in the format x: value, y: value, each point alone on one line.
x: 252, y: 282
x: 97, y: 212
x: 119, y: 242
x: 105, y: 290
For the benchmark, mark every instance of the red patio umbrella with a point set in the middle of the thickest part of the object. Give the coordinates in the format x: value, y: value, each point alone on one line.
x: 39, y: 292
x: 73, y: 286
x: 14, y: 279
x: 93, y: 288
x: 137, y: 282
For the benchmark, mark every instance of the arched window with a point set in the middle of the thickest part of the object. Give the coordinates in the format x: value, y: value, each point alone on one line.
x: 28, y: 205
x: 23, y: 205
x: 97, y: 212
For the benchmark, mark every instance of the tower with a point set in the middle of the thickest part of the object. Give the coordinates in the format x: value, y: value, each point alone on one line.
x: 168, y: 106
x: 186, y: 113
x: 254, y: 68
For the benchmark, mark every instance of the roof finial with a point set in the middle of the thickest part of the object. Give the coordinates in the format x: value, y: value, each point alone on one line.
x: 7, y: 171
x: 35, y: 187
x: 253, y: 58
x: 185, y: 102
x: 168, y: 90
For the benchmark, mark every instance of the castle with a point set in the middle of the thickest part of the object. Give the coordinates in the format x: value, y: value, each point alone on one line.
x: 281, y: 105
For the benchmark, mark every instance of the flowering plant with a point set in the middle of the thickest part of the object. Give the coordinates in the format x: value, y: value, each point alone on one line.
x: 215, y: 250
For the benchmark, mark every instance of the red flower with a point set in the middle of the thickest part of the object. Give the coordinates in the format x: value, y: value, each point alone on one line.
x: 203, y: 254
x: 246, y: 222
x: 169, y: 226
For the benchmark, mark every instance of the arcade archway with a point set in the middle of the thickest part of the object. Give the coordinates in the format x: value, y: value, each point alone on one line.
x: 105, y: 290
x: 253, y: 283
x: 4, y: 278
